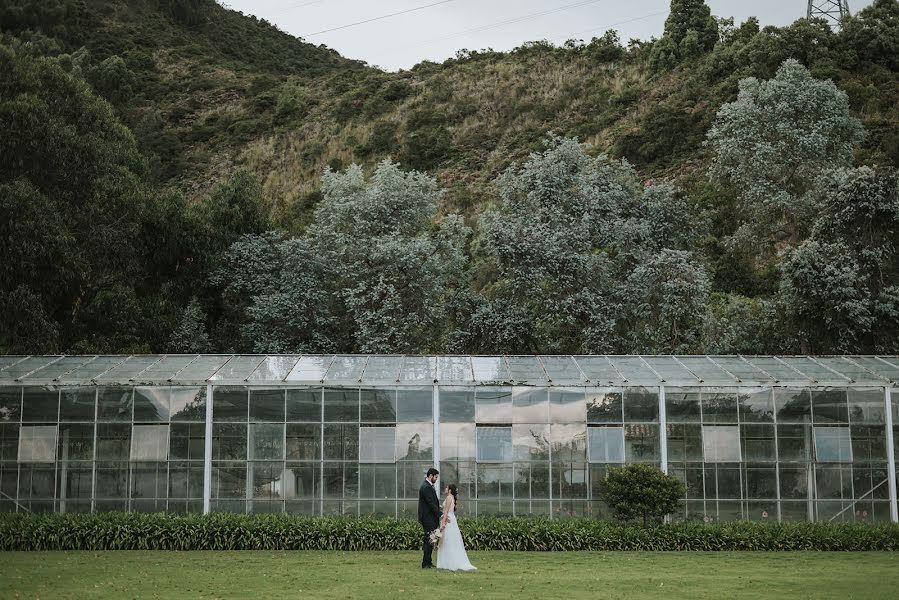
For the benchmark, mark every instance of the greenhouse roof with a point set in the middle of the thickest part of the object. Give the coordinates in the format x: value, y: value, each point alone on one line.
x: 345, y: 369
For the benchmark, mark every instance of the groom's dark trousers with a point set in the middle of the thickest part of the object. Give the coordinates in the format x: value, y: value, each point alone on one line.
x: 429, y: 517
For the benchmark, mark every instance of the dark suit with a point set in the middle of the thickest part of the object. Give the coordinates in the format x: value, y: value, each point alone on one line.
x: 429, y: 517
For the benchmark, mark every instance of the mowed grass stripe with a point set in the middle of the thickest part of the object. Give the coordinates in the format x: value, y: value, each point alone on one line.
x: 381, y: 575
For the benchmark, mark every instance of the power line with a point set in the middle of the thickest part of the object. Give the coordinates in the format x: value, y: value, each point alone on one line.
x: 610, y: 25
x: 402, y: 12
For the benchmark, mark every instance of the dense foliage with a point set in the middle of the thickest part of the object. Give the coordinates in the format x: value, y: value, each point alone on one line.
x: 161, y: 188
x: 219, y: 531
x: 641, y: 491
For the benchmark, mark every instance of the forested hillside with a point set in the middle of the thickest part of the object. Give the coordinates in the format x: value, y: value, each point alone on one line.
x: 165, y: 186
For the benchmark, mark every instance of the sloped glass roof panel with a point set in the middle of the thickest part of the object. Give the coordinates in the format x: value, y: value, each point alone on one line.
x: 346, y: 368
x: 813, y: 369
x: 238, y: 368
x: 382, y: 369
x: 89, y: 370
x: 849, y: 368
x: 202, y: 369
x: 635, y: 370
x: 776, y: 369
x: 670, y: 370
x: 526, y: 368
x: 311, y: 368
x: 127, y: 370
x: 454, y: 368
x: 598, y: 369
x: 56, y: 369
x: 274, y: 368
x: 562, y: 369
x: 167, y: 368
x: 13, y: 372
x: 489, y: 368
x: 879, y: 366
x: 705, y: 369
x: 8, y: 361
x: 741, y: 368
x: 419, y: 369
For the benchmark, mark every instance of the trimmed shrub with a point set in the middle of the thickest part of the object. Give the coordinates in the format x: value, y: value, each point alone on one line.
x: 220, y: 531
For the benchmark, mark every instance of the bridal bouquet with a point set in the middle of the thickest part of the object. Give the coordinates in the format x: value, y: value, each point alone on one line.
x: 434, y: 538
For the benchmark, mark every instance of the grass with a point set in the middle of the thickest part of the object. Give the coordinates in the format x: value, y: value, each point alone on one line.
x: 381, y: 575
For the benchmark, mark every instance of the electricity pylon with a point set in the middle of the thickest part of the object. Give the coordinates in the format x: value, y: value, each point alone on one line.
x: 833, y: 11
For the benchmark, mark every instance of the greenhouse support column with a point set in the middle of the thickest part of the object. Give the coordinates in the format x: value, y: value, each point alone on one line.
x: 207, y: 452
x: 663, y: 430
x: 436, y: 421
x: 891, y: 455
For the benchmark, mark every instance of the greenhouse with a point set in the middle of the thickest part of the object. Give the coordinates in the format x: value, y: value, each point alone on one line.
x: 793, y: 438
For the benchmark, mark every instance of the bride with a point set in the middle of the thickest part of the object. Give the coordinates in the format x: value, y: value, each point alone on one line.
x: 451, y: 551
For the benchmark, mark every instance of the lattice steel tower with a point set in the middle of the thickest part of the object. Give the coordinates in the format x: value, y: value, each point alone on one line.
x: 832, y: 11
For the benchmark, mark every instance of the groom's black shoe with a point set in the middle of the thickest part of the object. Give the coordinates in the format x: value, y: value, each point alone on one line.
x: 427, y: 566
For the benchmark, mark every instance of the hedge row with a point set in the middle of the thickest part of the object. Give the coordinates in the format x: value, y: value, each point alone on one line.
x: 219, y: 531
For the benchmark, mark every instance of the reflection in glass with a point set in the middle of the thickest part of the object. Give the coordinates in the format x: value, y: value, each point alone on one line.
x: 186, y: 441
x: 830, y: 406
x: 377, y: 480
x: 266, y: 441
x: 641, y: 404
x: 530, y: 405
x: 719, y: 405
x: 832, y: 444
x: 41, y: 405
x: 114, y: 403
x: 341, y: 479
x: 530, y: 442
x: 456, y: 405
x: 682, y: 405
x: 229, y: 479
x: 267, y: 405
x: 304, y: 404
x: 721, y: 443
x: 149, y: 480
x: 303, y: 441
x: 341, y: 442
x: 77, y: 404
x: 150, y: 442
x: 185, y: 480
x: 569, y: 442
x: 493, y: 405
x: 868, y: 443
x: 793, y: 442
x: 866, y: 405
x: 37, y: 443
x: 794, y: 405
x: 229, y: 404
x: 76, y: 441
x: 9, y: 442
x: 684, y: 442
x: 604, y: 406
x: 302, y: 480
x: 266, y: 480
x: 605, y: 444
x: 758, y: 442
x: 414, y: 441
x: 457, y: 441
x: 378, y: 405
x: 112, y: 480
x: 342, y: 404
x: 10, y: 404
x: 229, y: 441
x: 415, y: 404
x: 756, y: 405
x: 377, y: 444
x: 151, y: 404
x: 113, y: 441
x: 188, y: 404
x: 494, y: 444
x: 567, y: 405
x: 641, y: 442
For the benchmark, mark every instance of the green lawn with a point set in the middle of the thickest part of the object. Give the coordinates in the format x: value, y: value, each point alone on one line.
x: 384, y: 575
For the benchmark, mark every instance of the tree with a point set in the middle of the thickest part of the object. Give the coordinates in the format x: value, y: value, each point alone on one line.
x: 191, y: 336
x: 690, y: 30
x: 642, y: 491
x: 775, y: 144
x: 873, y: 33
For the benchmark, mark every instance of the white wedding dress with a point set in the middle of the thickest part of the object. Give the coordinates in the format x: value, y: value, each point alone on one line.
x: 451, y: 553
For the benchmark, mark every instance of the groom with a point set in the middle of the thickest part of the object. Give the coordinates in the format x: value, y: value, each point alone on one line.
x: 428, y: 513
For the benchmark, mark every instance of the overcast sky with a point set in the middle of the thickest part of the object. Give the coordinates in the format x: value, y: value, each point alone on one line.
x: 438, y: 31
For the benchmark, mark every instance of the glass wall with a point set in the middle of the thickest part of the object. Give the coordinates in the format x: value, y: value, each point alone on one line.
x: 754, y: 453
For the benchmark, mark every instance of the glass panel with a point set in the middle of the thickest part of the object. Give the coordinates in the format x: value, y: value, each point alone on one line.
x: 721, y: 443
x: 10, y: 404
x: 812, y: 369
x: 114, y: 403
x: 793, y: 442
x: 150, y: 442
x: 777, y: 370
x: 267, y: 405
x: 127, y: 370
x: 151, y: 403
x: 878, y: 366
x: 850, y: 369
x: 494, y: 444
x: 341, y: 480
x: 342, y: 404
x: 569, y: 442
x: 684, y: 442
x: 719, y: 405
x: 112, y: 482
x: 266, y: 484
x: 149, y: 480
x: 530, y: 405
x: 202, y: 369
x: 526, y: 369
x: 76, y: 480
x: 833, y: 444
x: 670, y: 369
x: 833, y: 481
x: 415, y: 404
x: 19, y: 369
x: 9, y: 442
x: 229, y: 480
x: 641, y: 404
x: 682, y: 404
x: 378, y: 481
x: 302, y: 480
x: 229, y: 404
x: 188, y: 404
x: 341, y: 442
x: 40, y: 405
x: 794, y: 405
x: 187, y: 441
x: 310, y: 368
x: 604, y: 405
x: 493, y: 405
x: 756, y: 405
x: 378, y: 405
x: 113, y: 441
x: 495, y: 481
x: 238, y: 368
x: 758, y: 443
x: 866, y: 405
x: 761, y: 482
x: 530, y: 442
x: 266, y: 441
x: 641, y: 443
x: 37, y: 443
x: 454, y: 368
x: 598, y: 369
x: 304, y: 405
x: 605, y: 444
x: 78, y: 404
x: 56, y: 369
x: 830, y: 406
x: 382, y: 369
x: 76, y: 441
x: 229, y: 441
x: 346, y: 369
x: 414, y: 441
x: 457, y: 441
x: 304, y: 442
x: 167, y: 368
x: 567, y: 405
x: 562, y: 369
x: 868, y: 443
x: 419, y: 368
x: 457, y: 404
x: 531, y: 481
x: 635, y: 370
x: 274, y: 368
x: 377, y: 444
x: 741, y: 368
x: 707, y: 370
x: 487, y: 368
